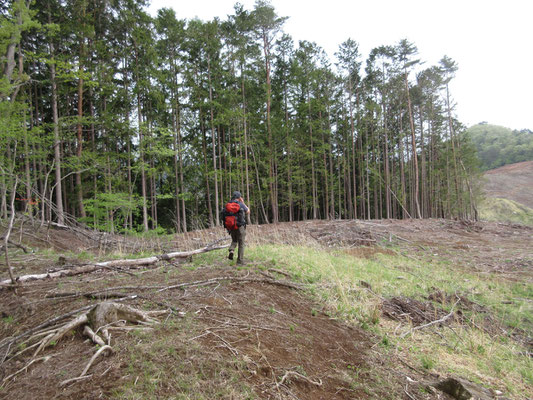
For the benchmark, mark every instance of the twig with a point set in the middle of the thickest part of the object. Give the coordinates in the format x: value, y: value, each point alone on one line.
x: 44, y: 359
x: 279, y: 272
x: 268, y: 363
x: 438, y: 321
x: 407, y: 393
x: 229, y: 346
x: 300, y: 376
x: 72, y: 380
x: 20, y: 246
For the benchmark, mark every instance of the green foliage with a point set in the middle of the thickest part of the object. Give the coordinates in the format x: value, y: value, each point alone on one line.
x: 152, y: 122
x: 498, y: 146
x: 427, y: 362
x: 108, y: 211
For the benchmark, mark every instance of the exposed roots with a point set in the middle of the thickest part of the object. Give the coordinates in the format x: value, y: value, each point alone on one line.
x: 95, y: 324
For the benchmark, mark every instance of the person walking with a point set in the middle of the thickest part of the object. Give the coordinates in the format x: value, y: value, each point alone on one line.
x: 234, y: 218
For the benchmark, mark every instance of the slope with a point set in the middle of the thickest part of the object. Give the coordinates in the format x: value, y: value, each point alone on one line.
x: 509, y: 194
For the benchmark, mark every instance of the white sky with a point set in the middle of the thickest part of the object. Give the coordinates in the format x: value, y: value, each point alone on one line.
x: 491, y: 40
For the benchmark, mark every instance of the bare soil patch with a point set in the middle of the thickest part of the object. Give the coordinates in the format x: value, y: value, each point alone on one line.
x: 514, y: 182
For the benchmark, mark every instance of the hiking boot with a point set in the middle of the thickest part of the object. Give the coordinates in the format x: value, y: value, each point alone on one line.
x: 241, y: 262
x: 230, y: 255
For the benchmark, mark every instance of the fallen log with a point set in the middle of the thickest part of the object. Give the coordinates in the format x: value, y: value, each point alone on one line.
x: 84, y: 269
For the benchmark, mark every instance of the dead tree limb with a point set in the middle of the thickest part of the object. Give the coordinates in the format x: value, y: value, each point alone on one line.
x: 232, y: 279
x: 20, y: 246
x: 84, y: 269
x: 44, y: 359
x: 438, y: 321
x: 299, y: 376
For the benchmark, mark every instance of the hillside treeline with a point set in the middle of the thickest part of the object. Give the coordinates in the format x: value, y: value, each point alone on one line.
x: 497, y: 146
x: 131, y: 122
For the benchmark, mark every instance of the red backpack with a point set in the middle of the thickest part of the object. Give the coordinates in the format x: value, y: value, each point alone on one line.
x: 231, y: 211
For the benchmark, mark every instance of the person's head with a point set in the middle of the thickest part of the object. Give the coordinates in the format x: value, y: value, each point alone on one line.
x: 236, y: 195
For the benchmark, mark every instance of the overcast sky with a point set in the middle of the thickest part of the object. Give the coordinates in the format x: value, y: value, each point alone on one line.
x: 491, y: 41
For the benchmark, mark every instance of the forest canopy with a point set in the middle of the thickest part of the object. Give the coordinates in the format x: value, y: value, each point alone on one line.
x: 128, y: 122
x: 497, y: 146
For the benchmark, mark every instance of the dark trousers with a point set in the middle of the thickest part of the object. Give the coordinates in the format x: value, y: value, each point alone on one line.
x: 237, y: 237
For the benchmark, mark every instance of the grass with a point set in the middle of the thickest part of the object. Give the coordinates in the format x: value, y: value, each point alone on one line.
x: 505, y: 210
x: 164, y: 364
x: 351, y: 288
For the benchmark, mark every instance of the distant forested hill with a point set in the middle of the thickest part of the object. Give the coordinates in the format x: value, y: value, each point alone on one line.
x: 497, y: 145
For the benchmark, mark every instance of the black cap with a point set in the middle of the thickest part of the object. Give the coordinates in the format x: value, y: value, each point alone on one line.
x: 237, y: 195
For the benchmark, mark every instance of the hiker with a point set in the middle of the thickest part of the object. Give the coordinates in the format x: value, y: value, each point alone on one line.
x: 233, y: 215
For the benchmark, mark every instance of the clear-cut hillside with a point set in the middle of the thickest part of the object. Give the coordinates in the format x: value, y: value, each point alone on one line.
x: 509, y: 194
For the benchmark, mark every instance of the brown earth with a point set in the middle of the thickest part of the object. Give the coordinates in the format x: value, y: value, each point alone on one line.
x: 262, y: 331
x: 238, y: 337
x: 514, y: 182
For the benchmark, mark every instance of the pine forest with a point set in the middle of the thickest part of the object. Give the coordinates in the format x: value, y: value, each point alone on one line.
x: 129, y: 123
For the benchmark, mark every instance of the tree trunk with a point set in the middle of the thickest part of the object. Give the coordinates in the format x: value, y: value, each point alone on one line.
x: 206, y: 169
x: 452, y: 140
x: 213, y: 140
x: 352, y: 139
x: 57, y: 143
x: 141, y: 150
x: 413, y: 145
x: 312, y: 153
x: 245, y: 126
x: 272, y: 188
x: 79, y: 188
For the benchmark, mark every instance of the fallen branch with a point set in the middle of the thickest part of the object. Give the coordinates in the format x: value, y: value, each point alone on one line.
x: 43, y: 359
x: 438, y: 321
x: 232, y: 279
x: 72, y: 380
x: 20, y: 246
x: 296, y: 375
x: 280, y: 272
x: 109, y: 349
x: 84, y: 269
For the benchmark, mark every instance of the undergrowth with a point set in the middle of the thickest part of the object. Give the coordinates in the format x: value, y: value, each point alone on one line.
x: 353, y: 289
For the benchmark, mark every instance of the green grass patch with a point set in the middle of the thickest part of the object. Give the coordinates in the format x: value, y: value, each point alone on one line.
x: 505, y: 210
x: 351, y: 288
